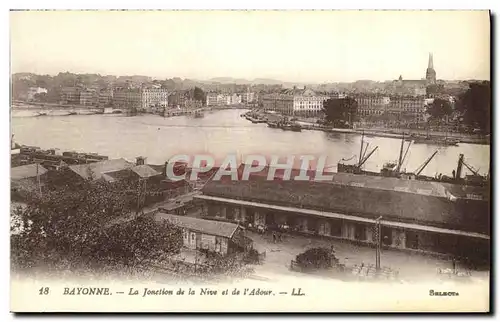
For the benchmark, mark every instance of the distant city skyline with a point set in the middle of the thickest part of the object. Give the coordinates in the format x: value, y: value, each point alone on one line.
x: 299, y: 46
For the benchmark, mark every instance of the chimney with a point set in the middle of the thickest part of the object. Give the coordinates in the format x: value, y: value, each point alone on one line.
x: 140, y: 160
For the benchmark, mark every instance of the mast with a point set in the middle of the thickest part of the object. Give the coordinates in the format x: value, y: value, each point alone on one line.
x: 459, y: 167
x: 422, y: 167
x: 400, y: 154
x: 361, y: 147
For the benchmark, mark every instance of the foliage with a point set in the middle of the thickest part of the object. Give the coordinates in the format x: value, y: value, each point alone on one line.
x: 222, y: 264
x: 316, y: 258
x: 340, y: 111
x: 252, y: 256
x: 199, y: 95
x: 475, y: 105
x: 71, y: 228
x: 439, y: 109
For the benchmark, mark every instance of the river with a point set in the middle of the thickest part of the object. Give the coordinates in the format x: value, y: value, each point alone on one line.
x: 220, y: 133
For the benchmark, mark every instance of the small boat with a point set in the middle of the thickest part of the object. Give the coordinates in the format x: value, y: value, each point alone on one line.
x: 272, y: 125
x: 292, y: 127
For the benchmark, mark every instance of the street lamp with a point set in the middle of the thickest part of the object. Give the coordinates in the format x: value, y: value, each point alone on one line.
x: 378, y: 229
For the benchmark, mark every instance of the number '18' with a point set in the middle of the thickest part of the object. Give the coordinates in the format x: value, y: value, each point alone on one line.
x: 43, y: 291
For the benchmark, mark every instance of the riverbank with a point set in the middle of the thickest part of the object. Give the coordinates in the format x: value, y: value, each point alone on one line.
x: 395, y: 133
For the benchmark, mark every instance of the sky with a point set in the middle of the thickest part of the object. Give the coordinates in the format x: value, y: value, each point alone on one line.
x: 295, y: 46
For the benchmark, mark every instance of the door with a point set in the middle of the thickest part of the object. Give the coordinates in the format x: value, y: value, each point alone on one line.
x: 192, y: 240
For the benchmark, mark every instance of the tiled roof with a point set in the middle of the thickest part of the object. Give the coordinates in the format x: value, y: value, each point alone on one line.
x: 209, y: 227
x: 26, y: 171
x: 145, y: 171
x: 97, y: 169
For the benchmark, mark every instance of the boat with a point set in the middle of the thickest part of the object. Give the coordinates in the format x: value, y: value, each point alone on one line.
x: 273, y: 125
x: 436, y: 141
x: 292, y: 127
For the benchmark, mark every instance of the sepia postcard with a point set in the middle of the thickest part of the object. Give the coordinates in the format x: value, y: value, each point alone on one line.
x: 250, y: 161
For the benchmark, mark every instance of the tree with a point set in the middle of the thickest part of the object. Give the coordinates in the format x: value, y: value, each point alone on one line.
x: 475, y: 105
x: 439, y: 109
x: 88, y: 228
x: 199, y: 95
x: 317, y: 258
x: 340, y: 111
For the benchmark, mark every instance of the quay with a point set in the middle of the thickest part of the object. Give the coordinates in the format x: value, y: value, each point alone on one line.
x: 395, y: 133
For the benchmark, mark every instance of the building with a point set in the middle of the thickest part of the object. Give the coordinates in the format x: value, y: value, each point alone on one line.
x: 33, y: 91
x: 27, y: 178
x: 212, y: 99
x: 193, y: 104
x: 223, y: 99
x: 128, y: 99
x: 247, y: 98
x: 70, y: 95
x: 430, y: 74
x: 419, y: 87
x: 235, y: 99
x: 224, y: 238
x: 89, y: 97
x: 106, y: 170
x: 177, y: 99
x: 407, y: 109
x: 369, y: 105
x: 413, y: 215
x: 184, y: 99
x: 294, y: 102
x: 153, y: 98
x: 105, y: 98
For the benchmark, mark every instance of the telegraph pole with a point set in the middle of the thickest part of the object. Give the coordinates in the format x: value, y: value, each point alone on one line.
x: 38, y: 179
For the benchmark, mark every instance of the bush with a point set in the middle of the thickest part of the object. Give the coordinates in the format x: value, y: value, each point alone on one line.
x: 251, y: 257
x: 317, y: 258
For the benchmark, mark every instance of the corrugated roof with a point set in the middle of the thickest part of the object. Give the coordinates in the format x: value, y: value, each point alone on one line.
x: 97, y: 169
x: 145, y: 171
x: 209, y: 227
x: 26, y: 171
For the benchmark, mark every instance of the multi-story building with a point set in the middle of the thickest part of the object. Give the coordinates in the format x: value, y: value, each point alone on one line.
x: 212, y: 99
x: 294, y: 102
x: 408, y: 108
x: 153, y: 98
x: 193, y: 104
x: 129, y: 99
x: 70, y: 95
x: 247, y: 97
x: 223, y: 99
x: 32, y: 91
x: 372, y: 104
x: 89, y: 97
x: 235, y: 99
x: 105, y: 98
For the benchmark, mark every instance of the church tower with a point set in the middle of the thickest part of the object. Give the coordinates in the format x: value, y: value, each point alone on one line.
x: 430, y: 74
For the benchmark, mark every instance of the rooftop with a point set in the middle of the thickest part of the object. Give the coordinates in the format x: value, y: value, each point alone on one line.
x: 145, y: 171
x: 96, y: 170
x: 209, y: 227
x: 369, y: 196
x: 27, y: 171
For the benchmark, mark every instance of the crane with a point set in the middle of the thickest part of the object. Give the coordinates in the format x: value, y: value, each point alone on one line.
x: 423, y: 165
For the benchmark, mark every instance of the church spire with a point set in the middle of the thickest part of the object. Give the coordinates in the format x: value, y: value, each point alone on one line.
x: 431, y: 62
